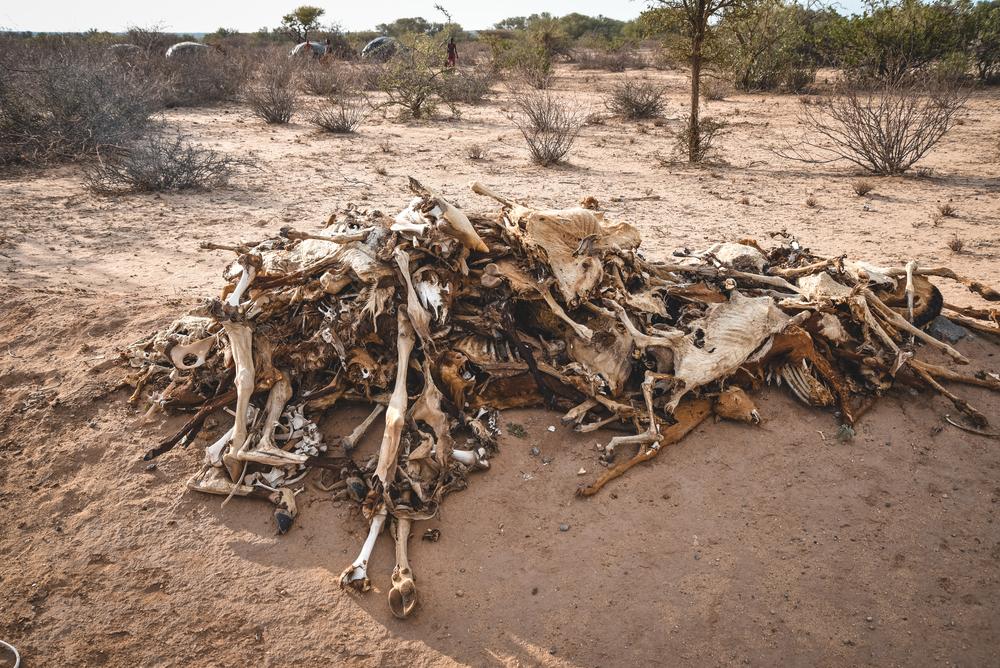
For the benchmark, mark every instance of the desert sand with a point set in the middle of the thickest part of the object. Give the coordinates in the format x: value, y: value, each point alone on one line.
x: 775, y: 544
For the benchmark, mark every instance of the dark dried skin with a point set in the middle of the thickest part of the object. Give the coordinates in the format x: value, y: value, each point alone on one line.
x: 530, y: 308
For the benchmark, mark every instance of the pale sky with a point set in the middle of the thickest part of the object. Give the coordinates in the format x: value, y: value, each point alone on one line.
x: 249, y: 15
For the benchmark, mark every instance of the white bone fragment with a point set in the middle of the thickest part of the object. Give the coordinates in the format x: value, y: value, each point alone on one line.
x: 197, y: 348
x: 356, y: 575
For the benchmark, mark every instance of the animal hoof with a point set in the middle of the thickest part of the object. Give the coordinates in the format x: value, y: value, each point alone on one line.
x: 403, y: 598
x: 284, y: 520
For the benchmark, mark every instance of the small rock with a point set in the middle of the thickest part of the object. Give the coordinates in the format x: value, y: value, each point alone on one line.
x: 535, y: 452
x: 697, y: 556
x: 534, y: 591
x: 582, y: 471
x: 868, y: 619
x: 943, y: 329
x: 552, y: 428
x: 546, y: 460
x: 151, y: 466
x: 552, y: 650
x: 564, y: 527
x: 459, y: 593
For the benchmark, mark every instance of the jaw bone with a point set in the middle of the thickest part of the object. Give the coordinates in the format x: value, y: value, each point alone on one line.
x: 403, y: 595
x: 356, y: 575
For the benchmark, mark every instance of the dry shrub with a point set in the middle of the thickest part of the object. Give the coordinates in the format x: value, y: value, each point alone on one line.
x: 476, y: 152
x: 635, y: 98
x: 67, y: 105
x: 549, y: 126
x: 947, y: 210
x: 272, y: 95
x: 956, y: 244
x: 466, y: 85
x: 812, y: 202
x: 715, y: 90
x: 883, y: 130
x: 862, y: 187
x: 341, y: 115
x: 157, y: 163
x: 326, y: 79
x: 709, y: 130
x: 199, y: 78
x: 611, y: 60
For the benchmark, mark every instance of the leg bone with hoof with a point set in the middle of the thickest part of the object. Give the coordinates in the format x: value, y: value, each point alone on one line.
x: 356, y: 575
x: 403, y: 595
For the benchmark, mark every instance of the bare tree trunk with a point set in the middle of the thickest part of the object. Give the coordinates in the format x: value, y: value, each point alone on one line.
x: 694, y: 134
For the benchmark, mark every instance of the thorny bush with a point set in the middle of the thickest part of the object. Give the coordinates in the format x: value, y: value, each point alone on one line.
x: 157, y: 163
x: 549, y: 126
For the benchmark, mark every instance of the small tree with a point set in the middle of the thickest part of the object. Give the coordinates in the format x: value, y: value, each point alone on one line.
x: 300, y: 22
x: 694, y: 18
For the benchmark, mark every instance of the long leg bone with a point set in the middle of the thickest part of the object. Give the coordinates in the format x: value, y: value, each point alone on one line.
x: 241, y: 342
x: 356, y: 575
x: 265, y: 451
x: 350, y: 441
x: 395, y: 414
x: 403, y: 595
x: 900, y: 323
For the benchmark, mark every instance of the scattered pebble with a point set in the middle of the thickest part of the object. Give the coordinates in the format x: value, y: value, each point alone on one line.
x: 459, y: 593
x: 582, y: 471
x: 868, y: 619
x: 151, y: 466
x: 552, y: 428
x: 535, y: 452
x: 534, y: 591
x: 564, y: 527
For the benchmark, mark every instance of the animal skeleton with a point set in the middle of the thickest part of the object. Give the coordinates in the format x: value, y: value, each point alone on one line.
x: 475, y: 314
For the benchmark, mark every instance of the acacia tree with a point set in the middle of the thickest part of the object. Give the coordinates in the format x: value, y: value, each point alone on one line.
x: 695, y: 18
x: 301, y: 21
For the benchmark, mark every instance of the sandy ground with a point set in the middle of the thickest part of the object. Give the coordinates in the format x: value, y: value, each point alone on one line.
x: 767, y: 545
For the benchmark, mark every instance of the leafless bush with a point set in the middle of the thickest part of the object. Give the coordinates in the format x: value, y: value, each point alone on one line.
x: 341, y: 116
x: 66, y: 105
x: 326, y: 79
x: 549, y: 126
x: 199, y: 78
x: 714, y: 90
x: 635, y: 98
x: 157, y: 163
x: 709, y: 130
x: 956, y: 244
x: 612, y: 60
x: 883, y: 130
x: 271, y: 96
x: 862, y: 187
x: 466, y: 85
x: 812, y: 202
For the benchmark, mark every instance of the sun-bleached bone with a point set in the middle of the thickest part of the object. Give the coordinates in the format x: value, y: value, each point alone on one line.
x: 403, y: 595
x: 395, y: 414
x: 211, y: 480
x: 471, y: 458
x: 456, y: 222
x: 241, y: 345
x: 265, y: 451
x: 247, y: 273
x: 419, y: 318
x: 197, y: 348
x: 582, y: 331
x: 213, y: 453
x: 350, y: 441
x: 356, y: 575
x: 410, y: 220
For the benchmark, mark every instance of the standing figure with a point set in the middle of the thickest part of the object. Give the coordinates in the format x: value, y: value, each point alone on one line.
x: 452, y: 53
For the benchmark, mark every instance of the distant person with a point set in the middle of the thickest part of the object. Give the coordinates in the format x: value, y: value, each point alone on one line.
x: 328, y: 47
x: 452, y: 53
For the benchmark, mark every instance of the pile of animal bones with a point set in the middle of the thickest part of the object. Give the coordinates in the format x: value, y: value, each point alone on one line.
x: 439, y: 321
